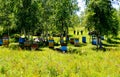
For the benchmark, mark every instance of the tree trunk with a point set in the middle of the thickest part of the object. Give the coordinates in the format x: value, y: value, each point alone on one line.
x: 29, y: 35
x: 21, y: 32
x: 100, y: 43
x: 97, y: 42
x: 24, y: 32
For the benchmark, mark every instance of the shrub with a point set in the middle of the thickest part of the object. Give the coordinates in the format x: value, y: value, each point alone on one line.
x: 13, y: 46
x: 15, y: 37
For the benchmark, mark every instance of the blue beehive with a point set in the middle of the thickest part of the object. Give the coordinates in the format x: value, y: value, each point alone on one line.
x: 76, y: 41
x: 84, y: 39
x: 21, y: 40
x: 94, y: 41
x: 63, y: 48
x: 1, y: 42
x: 51, y: 41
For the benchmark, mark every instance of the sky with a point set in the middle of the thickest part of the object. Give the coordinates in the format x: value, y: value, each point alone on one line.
x: 81, y: 4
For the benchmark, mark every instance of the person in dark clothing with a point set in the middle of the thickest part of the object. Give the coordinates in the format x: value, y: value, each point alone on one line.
x: 74, y: 31
x: 81, y: 32
x: 77, y: 32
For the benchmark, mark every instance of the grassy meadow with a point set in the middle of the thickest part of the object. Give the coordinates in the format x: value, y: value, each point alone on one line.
x: 83, y: 61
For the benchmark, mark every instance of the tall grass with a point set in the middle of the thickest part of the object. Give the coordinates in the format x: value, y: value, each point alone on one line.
x: 49, y: 63
x: 81, y: 61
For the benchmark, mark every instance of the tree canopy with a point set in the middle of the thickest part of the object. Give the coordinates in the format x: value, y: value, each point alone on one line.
x: 102, y: 17
x: 44, y: 16
x: 37, y: 15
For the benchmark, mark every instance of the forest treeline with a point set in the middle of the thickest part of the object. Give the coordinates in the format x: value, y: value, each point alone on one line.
x: 37, y: 16
x: 49, y: 16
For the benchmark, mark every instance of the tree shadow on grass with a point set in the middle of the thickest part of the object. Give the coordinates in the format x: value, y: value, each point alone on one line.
x: 99, y: 49
x: 110, y: 45
x: 104, y: 49
x: 80, y: 45
x: 83, y: 44
x: 116, y: 38
x: 112, y: 41
x: 70, y: 35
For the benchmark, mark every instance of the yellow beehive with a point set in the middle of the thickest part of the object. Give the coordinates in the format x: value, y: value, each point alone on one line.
x: 5, y: 41
x: 51, y: 42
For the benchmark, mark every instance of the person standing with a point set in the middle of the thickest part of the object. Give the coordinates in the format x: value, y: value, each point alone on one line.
x: 74, y: 32
x: 81, y: 32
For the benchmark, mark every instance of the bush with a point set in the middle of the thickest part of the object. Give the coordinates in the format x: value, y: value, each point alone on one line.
x: 56, y: 43
x: 11, y: 40
x: 14, y: 46
x: 15, y: 37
